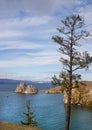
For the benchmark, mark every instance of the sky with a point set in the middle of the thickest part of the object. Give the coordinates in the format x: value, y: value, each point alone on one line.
x: 27, y: 51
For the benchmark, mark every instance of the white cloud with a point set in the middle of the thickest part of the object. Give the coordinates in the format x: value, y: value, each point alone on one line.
x: 37, y: 7
x: 7, y: 75
x: 10, y: 34
x: 29, y: 27
x: 24, y: 62
x: 6, y: 23
x: 19, y: 45
x: 43, y: 53
x: 86, y: 12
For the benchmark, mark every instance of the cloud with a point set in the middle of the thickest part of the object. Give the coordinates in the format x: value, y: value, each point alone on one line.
x: 31, y: 61
x: 20, y: 45
x: 34, y: 7
x: 7, y: 75
x: 10, y: 34
x: 28, y: 21
x: 14, y: 29
x: 86, y: 12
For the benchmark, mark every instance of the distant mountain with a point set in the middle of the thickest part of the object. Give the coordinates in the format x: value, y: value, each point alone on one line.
x: 8, y: 81
x: 11, y: 84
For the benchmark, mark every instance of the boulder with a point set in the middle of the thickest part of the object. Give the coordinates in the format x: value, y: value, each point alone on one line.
x: 23, y: 88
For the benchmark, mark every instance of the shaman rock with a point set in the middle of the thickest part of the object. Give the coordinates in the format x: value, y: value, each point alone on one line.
x: 27, y: 89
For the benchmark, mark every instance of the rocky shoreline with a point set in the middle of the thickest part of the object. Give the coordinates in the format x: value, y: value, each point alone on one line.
x: 81, y: 96
x: 56, y: 90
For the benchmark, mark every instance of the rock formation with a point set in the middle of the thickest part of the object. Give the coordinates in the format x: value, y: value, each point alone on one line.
x: 80, y: 96
x: 23, y: 88
x: 54, y: 90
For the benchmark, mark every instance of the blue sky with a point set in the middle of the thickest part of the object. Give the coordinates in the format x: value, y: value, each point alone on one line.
x: 27, y: 50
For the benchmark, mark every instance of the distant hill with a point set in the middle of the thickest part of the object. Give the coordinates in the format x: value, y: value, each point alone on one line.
x: 10, y: 84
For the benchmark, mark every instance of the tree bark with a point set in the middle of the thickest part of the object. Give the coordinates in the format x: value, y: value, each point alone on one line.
x: 68, y: 109
x: 68, y: 112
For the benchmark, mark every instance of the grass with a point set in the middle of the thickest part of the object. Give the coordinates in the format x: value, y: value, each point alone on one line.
x: 12, y: 126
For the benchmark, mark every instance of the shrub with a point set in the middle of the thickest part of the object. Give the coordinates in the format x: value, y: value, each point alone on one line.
x: 29, y: 117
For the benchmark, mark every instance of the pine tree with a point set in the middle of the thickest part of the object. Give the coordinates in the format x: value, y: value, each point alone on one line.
x: 71, y: 31
x: 29, y: 117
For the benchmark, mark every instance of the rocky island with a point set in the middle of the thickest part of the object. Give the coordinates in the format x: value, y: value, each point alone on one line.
x: 27, y: 89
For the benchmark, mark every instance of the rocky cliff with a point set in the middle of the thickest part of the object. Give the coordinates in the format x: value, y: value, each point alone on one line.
x: 81, y: 96
x: 23, y: 88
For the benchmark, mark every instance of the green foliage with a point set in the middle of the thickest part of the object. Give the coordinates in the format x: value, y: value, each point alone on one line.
x: 29, y: 117
x: 71, y: 31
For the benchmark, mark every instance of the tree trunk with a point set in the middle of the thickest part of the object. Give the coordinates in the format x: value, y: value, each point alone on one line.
x: 68, y: 112
x: 68, y: 108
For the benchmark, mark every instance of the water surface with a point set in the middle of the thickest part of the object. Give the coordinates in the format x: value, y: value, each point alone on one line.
x: 48, y: 108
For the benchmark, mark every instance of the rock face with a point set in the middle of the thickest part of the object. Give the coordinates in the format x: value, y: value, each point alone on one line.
x: 54, y: 90
x: 80, y: 96
x: 23, y: 88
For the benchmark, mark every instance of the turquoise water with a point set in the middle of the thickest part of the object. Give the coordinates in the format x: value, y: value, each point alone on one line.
x: 48, y: 108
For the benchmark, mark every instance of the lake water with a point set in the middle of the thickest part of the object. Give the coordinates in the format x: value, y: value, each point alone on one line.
x: 48, y: 108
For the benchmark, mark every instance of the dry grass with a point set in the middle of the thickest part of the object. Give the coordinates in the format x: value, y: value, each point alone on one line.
x: 12, y: 126
x: 54, y: 90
